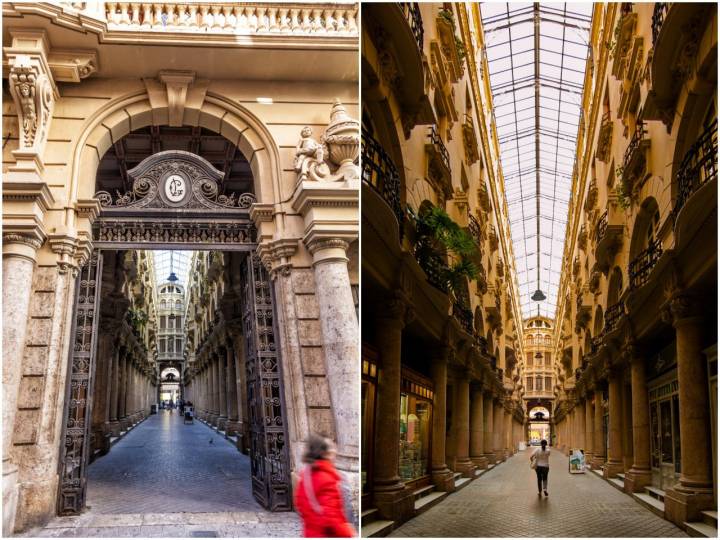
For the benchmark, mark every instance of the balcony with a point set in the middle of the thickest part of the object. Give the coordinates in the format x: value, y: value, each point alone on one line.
x: 483, y: 197
x: 624, y: 31
x: 464, y: 316
x: 379, y: 172
x: 634, y: 168
x: 608, y: 239
x: 450, y: 45
x: 605, y: 138
x: 677, y: 30
x: 612, y: 317
x: 493, y: 237
x: 642, y: 265
x: 438, y: 165
x: 470, y: 140
x: 592, y: 196
x: 433, y: 265
x: 698, y: 168
x: 475, y: 231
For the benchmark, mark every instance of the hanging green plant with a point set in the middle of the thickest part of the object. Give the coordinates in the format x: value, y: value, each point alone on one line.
x: 447, y: 14
x: 460, y: 48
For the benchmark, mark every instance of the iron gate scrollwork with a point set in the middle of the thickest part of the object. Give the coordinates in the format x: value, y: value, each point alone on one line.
x: 78, y: 400
x: 266, y: 406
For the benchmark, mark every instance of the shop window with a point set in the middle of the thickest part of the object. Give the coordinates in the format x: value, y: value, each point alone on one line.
x: 415, y: 429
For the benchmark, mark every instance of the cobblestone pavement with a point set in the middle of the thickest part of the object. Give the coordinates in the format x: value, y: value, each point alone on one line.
x: 504, y: 503
x: 165, y: 479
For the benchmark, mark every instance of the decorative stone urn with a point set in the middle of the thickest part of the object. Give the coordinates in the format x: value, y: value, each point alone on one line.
x: 342, y: 138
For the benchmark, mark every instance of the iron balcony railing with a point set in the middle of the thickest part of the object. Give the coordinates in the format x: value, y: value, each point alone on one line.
x: 698, y: 167
x: 596, y: 343
x: 601, y: 227
x: 464, y: 316
x: 437, y: 141
x: 474, y: 228
x: 612, y: 316
x: 642, y: 265
x: 433, y: 266
x: 658, y: 18
x: 637, y: 138
x: 380, y: 173
x: 414, y: 20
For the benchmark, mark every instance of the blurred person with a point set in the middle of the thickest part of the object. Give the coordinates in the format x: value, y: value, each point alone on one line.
x: 541, y: 457
x: 318, y: 496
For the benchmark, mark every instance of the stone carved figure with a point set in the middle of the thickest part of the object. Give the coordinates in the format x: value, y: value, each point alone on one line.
x: 33, y: 95
x: 335, y: 157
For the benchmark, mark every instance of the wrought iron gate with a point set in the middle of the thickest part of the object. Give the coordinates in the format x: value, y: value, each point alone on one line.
x: 266, y: 405
x: 75, y: 447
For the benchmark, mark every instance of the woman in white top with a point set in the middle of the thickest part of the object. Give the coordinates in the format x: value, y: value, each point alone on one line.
x: 541, y: 456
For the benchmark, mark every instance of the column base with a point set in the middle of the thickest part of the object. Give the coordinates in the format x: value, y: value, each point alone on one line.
x: 222, y: 423
x: 9, y: 496
x: 683, y: 505
x: 232, y: 427
x: 499, y: 456
x: 397, y: 504
x: 637, y: 479
x: 443, y: 480
x: 124, y: 424
x: 101, y: 442
x: 466, y: 467
x: 598, y: 462
x: 612, y: 468
x: 213, y: 419
x: 481, y: 462
x: 491, y: 459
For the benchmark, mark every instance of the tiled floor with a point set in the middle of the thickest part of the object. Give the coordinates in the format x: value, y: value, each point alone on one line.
x: 165, y: 478
x: 504, y: 503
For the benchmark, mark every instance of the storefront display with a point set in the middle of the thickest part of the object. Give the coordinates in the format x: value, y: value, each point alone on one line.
x: 415, y: 430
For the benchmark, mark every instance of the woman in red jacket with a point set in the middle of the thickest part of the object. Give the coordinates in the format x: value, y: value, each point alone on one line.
x: 318, y: 497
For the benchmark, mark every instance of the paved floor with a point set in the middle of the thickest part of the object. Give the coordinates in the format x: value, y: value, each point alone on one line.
x: 166, y: 479
x: 504, y: 503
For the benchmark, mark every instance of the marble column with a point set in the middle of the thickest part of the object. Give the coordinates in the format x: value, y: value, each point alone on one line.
x: 393, y: 500
x: 580, y: 418
x: 614, y: 464
x: 477, y: 430
x: 233, y: 425
x: 640, y: 474
x: 340, y: 331
x: 19, y: 252
x: 221, y: 361
x: 498, y: 436
x: 441, y: 476
x: 599, y: 444
x: 693, y: 493
x: 589, y: 429
x: 488, y: 432
x: 463, y: 464
x: 121, y: 391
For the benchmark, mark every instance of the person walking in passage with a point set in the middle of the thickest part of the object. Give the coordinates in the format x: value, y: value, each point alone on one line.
x: 318, y: 496
x: 541, y: 457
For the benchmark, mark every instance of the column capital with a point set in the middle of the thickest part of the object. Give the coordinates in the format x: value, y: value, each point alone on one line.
x: 681, y: 308
x: 328, y: 249
x: 21, y: 245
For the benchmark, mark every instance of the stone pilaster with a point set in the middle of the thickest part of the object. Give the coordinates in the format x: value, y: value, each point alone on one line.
x: 477, y: 433
x: 441, y: 476
x: 693, y: 493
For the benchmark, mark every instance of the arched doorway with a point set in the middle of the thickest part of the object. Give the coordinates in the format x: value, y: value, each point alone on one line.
x: 539, y: 425
x: 178, y: 200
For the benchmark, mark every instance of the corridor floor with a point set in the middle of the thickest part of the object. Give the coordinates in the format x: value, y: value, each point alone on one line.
x: 504, y: 503
x: 165, y: 478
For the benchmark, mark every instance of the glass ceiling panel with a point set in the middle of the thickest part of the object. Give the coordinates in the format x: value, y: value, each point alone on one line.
x: 180, y: 265
x: 537, y: 217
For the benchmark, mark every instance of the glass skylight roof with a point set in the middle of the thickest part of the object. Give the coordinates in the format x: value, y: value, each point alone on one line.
x: 537, y: 57
x: 180, y: 265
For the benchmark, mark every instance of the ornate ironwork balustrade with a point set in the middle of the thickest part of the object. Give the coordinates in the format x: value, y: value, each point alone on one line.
x: 436, y: 140
x: 433, y: 266
x: 464, y: 316
x: 658, y: 18
x: 601, y: 227
x: 612, y: 316
x: 474, y: 228
x: 698, y: 167
x: 637, y: 138
x: 414, y: 20
x: 380, y: 173
x: 642, y: 265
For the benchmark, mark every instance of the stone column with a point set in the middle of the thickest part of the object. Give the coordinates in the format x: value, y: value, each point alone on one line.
x: 599, y: 446
x: 392, y: 498
x: 113, y: 424
x: 509, y: 450
x: 339, y: 324
x: 499, y: 426
x: 693, y: 493
x: 121, y: 391
x: 589, y: 430
x: 639, y: 474
x: 220, y: 360
x: 462, y: 427
x: 614, y: 463
x: 477, y: 433
x: 580, y: 418
x: 19, y: 253
x: 233, y: 425
x: 488, y: 433
x: 441, y: 476
x: 215, y: 392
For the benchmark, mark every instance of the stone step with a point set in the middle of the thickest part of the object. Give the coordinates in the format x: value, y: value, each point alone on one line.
x: 376, y: 529
x: 709, y: 517
x: 658, y: 493
x: 461, y: 483
x: 419, y: 493
x: 457, y: 475
x: 621, y: 476
x: 368, y: 516
x: 651, y: 503
x: 428, y: 501
x: 698, y: 529
x: 598, y: 472
x: 490, y: 466
x: 617, y: 483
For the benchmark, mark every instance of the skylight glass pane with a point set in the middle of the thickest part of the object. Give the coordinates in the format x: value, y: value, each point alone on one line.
x: 172, y: 260
x: 563, y: 36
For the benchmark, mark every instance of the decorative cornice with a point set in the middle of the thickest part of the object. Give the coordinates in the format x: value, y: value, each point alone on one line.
x: 15, y: 238
x: 318, y: 244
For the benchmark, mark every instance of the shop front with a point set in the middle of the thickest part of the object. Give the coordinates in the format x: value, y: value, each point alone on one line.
x: 416, y: 397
